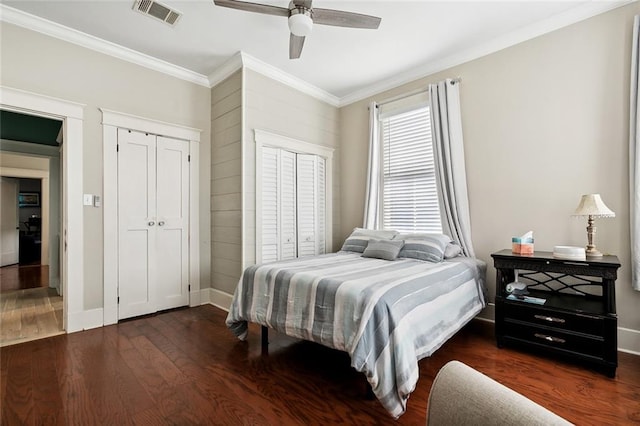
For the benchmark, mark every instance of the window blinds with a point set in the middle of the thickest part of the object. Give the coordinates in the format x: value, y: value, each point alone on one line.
x: 410, y: 197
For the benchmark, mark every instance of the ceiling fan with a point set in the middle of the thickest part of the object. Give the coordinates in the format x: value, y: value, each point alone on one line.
x: 302, y: 17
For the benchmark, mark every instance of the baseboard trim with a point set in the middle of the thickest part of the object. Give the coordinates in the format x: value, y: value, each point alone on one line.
x: 195, y: 298
x: 629, y: 341
x: 221, y: 299
x: 93, y: 318
x: 205, y: 297
x: 85, y: 320
x: 217, y: 298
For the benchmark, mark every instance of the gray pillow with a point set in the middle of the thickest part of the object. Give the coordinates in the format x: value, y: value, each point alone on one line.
x: 423, y: 246
x: 359, y: 238
x: 383, y: 249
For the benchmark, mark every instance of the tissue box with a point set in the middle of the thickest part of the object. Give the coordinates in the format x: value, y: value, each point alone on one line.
x: 522, y: 245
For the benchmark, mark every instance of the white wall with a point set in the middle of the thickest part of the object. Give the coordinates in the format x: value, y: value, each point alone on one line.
x: 544, y: 121
x: 37, y: 63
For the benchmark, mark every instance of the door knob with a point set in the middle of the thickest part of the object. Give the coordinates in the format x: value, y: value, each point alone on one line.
x: 151, y: 223
x: 161, y: 223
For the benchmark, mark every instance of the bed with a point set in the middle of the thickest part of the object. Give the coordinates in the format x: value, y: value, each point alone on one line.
x: 386, y: 314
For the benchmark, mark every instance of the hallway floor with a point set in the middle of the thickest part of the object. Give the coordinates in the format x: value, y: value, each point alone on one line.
x: 17, y: 277
x: 29, y: 309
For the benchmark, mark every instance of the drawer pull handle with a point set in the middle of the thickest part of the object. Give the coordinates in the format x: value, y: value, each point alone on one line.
x: 550, y: 319
x: 549, y: 338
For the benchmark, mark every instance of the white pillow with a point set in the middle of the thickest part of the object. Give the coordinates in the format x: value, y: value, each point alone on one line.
x: 452, y: 250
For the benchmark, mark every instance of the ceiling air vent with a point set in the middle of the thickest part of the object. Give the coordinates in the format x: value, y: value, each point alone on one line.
x: 157, y: 10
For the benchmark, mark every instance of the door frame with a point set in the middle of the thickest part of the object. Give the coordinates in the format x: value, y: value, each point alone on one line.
x: 111, y: 121
x: 72, y: 258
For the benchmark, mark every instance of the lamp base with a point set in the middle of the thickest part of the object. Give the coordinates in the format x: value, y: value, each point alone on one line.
x: 592, y: 252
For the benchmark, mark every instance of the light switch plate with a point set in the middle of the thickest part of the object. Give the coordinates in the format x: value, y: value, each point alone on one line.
x: 88, y: 199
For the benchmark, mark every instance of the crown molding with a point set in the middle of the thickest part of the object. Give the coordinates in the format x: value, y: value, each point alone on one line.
x: 569, y: 17
x: 243, y: 59
x: 277, y: 74
x: 52, y: 29
x: 225, y: 70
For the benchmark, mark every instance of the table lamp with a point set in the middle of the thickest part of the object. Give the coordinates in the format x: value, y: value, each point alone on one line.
x: 591, y: 205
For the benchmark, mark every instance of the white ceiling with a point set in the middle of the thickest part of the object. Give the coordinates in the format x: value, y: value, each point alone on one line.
x: 415, y: 37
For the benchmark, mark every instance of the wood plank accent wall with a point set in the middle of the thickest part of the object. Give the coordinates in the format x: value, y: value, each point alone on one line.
x: 226, y: 183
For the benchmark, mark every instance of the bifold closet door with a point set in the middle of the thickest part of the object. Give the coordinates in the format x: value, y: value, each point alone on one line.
x: 172, y: 253
x: 293, y: 205
x: 278, y: 205
x: 153, y: 196
x: 311, y: 205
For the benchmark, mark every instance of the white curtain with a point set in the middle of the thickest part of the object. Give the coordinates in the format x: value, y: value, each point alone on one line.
x: 448, y: 151
x: 634, y: 157
x: 372, y: 218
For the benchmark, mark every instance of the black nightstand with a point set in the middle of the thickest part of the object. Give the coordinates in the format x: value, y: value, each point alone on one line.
x: 578, y: 319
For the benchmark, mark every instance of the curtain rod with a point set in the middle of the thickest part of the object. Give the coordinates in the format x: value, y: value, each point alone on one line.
x: 412, y: 93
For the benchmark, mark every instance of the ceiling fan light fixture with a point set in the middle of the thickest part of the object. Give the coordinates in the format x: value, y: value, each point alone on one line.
x: 300, y: 22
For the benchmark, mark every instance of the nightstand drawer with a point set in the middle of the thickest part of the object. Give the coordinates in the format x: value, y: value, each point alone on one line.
x: 553, y: 338
x: 586, y: 324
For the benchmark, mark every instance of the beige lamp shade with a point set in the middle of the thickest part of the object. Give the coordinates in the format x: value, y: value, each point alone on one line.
x: 592, y: 205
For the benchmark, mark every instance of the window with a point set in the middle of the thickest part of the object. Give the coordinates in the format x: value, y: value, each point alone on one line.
x: 410, y: 196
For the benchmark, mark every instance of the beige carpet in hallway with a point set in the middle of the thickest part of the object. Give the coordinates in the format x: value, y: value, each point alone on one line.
x: 29, y: 314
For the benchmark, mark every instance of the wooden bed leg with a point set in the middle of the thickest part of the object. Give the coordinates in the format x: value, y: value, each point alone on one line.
x: 265, y: 338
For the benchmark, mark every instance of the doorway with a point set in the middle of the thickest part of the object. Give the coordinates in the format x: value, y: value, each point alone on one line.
x: 31, y: 304
x: 70, y: 253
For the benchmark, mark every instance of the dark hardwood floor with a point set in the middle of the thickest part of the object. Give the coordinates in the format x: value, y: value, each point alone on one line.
x: 20, y: 277
x: 184, y: 367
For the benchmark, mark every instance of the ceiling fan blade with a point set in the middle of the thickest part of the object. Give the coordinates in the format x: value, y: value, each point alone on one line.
x: 341, y: 18
x: 253, y: 7
x: 295, y: 46
x: 302, y: 3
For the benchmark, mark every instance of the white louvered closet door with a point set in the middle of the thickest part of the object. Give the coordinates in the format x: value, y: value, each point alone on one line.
x: 311, y: 205
x: 278, y: 205
x: 269, y: 204
x: 287, y: 207
x: 293, y: 205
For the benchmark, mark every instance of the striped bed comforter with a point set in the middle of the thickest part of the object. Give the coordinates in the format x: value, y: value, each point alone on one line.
x: 386, y: 314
